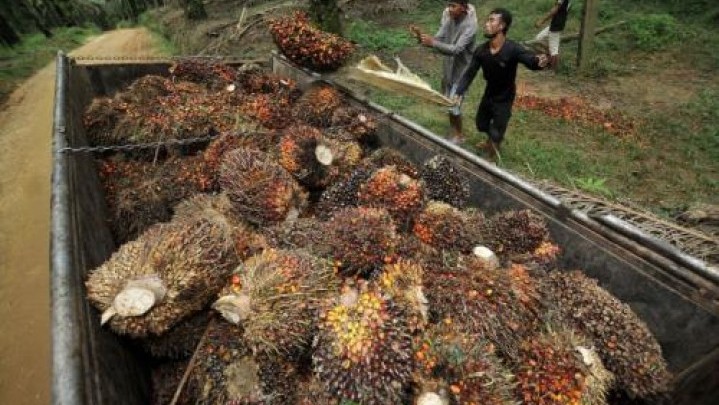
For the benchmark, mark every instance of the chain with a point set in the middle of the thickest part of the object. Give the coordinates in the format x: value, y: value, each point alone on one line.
x: 149, y: 58
x: 169, y: 142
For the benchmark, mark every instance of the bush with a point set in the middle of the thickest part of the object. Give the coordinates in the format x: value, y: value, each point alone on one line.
x: 654, y: 31
x: 373, y: 38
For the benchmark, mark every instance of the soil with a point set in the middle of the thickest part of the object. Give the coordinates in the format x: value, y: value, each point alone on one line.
x: 25, y: 144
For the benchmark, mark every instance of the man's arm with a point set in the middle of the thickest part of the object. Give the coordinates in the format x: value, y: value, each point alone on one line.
x: 549, y: 15
x: 464, y: 40
x: 529, y: 58
x: 470, y: 72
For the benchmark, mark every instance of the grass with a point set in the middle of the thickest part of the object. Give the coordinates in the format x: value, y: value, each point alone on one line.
x: 34, y: 52
x: 159, y: 32
x: 672, y: 161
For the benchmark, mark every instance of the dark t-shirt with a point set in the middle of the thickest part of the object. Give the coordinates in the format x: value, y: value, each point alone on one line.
x: 499, y: 70
x: 560, y: 18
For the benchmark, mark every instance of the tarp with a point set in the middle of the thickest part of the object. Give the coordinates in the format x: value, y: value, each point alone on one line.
x: 372, y: 71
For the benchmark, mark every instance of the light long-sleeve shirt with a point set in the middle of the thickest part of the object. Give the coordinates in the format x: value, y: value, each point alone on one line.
x: 455, y: 39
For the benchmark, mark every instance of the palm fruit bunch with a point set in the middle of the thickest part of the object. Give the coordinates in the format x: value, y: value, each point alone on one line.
x: 467, y: 367
x: 363, y: 348
x: 401, y: 281
x: 261, y: 190
x: 311, y: 392
x: 315, y: 160
x: 274, y: 295
x: 257, y: 81
x: 269, y: 110
x: 445, y: 182
x: 360, y: 125
x: 626, y: 346
x: 395, y: 191
x: 541, y: 260
x: 527, y: 289
x: 100, y: 118
x: 165, y: 379
x: 444, y: 227
x: 304, y: 233
x: 362, y: 239
x: 317, y: 105
x: 213, y: 74
x: 228, y: 141
x: 146, y: 89
x: 554, y: 367
x: 481, y: 301
x: 218, y: 207
x: 171, y: 271
x: 308, y: 46
x: 515, y: 232
x: 224, y: 369
x: 180, y: 341
x: 343, y: 193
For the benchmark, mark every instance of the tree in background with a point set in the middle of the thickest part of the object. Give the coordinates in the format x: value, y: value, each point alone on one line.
x: 327, y: 15
x: 194, y: 9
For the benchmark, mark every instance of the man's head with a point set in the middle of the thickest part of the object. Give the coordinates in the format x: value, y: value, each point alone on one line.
x: 457, y: 8
x: 498, y: 20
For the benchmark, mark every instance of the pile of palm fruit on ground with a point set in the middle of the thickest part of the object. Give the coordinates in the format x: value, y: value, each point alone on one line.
x: 292, y: 261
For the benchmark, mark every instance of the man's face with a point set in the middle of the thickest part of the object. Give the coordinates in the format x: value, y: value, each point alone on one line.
x: 493, y: 26
x: 456, y: 10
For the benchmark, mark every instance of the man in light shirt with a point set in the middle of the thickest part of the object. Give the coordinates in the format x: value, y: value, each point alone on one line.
x: 455, y: 39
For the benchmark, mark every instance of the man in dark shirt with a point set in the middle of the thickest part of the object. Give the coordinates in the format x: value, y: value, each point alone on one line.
x: 498, y: 58
x: 551, y: 33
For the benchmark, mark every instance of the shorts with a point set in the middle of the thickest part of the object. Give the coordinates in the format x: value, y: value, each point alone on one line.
x: 551, y: 38
x: 493, y: 118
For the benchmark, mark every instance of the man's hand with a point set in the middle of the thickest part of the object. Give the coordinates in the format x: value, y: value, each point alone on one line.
x: 426, y: 40
x: 456, y: 99
x: 542, y: 60
x: 539, y: 24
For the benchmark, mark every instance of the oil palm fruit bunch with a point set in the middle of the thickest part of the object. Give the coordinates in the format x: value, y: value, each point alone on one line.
x: 362, y: 239
x: 541, y: 260
x: 180, y: 341
x: 317, y: 105
x: 401, y: 281
x: 229, y: 141
x: 395, y: 191
x: 314, y: 159
x: 165, y: 378
x: 515, y: 232
x: 445, y: 182
x: 481, y: 301
x: 261, y: 190
x: 100, y: 118
x: 304, y: 233
x: 363, y: 348
x: 267, y: 109
x: 311, y: 392
x: 360, y: 125
x: 343, y: 193
x: 274, y: 296
x: 225, y: 370
x: 258, y: 81
x: 626, y: 346
x: 468, y: 365
x: 171, y: 271
x: 527, y: 289
x: 555, y: 367
x: 213, y: 74
x: 146, y: 89
x: 444, y: 227
x: 308, y: 46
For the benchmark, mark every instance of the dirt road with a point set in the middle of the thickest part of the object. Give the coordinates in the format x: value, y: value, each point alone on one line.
x: 25, y: 164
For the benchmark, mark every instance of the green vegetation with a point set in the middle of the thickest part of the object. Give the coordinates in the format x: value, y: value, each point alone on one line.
x: 372, y: 38
x: 668, y: 92
x: 34, y: 52
x: 160, y: 33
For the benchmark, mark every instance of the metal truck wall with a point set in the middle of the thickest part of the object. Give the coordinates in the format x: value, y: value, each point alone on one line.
x: 93, y: 366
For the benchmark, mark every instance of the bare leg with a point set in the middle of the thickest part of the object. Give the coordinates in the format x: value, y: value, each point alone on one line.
x: 455, y: 121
